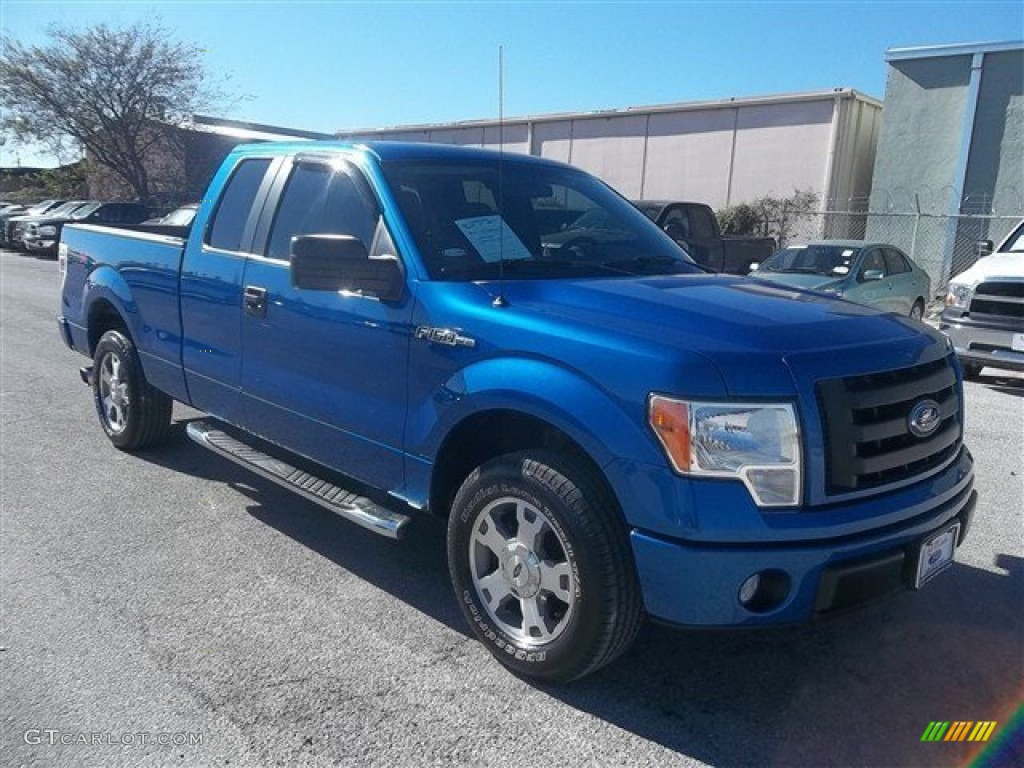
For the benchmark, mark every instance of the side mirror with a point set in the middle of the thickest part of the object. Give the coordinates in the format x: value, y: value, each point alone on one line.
x: 341, y: 263
x: 754, y: 266
x: 985, y: 247
x: 871, y: 275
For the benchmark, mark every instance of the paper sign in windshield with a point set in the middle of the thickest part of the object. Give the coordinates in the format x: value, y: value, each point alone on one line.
x: 493, y: 239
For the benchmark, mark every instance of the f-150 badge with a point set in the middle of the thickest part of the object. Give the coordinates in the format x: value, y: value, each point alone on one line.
x: 445, y: 336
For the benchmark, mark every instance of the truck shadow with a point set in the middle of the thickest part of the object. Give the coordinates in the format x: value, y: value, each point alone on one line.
x: 1008, y: 385
x: 858, y: 689
x: 413, y: 570
x: 855, y: 690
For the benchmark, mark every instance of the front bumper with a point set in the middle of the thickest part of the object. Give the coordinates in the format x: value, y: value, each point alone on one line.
x: 41, y: 246
x: 984, y: 343
x: 697, y: 583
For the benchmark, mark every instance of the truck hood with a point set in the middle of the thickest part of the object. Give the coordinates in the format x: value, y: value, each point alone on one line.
x: 1009, y: 265
x: 749, y: 330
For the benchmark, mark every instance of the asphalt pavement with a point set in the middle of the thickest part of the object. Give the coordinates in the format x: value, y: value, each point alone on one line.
x: 169, y: 608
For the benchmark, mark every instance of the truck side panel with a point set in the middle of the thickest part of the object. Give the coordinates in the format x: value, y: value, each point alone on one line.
x: 138, y: 279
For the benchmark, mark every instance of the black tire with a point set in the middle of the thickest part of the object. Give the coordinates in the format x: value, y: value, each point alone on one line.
x: 971, y: 370
x: 133, y: 414
x: 579, y: 542
x: 917, y: 311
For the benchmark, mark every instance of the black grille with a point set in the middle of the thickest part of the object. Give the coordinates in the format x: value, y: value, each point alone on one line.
x: 866, y: 425
x: 1002, y: 299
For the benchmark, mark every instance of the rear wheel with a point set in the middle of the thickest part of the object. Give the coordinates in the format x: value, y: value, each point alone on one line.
x: 132, y: 413
x: 541, y: 565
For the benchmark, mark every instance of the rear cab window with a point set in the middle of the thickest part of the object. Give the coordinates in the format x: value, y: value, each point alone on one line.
x: 229, y: 224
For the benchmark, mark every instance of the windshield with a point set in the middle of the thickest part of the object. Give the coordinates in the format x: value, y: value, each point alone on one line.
x: 553, y: 222
x: 85, y: 210
x: 1015, y: 242
x: 66, y: 208
x: 41, y: 207
x: 828, y: 260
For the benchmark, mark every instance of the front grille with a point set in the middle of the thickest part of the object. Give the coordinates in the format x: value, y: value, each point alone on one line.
x: 999, y: 298
x: 866, y: 425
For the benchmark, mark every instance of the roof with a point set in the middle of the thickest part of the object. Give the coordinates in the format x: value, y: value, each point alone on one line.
x: 956, y: 49
x: 838, y: 243
x: 253, y: 131
x: 388, y: 151
x: 683, y: 106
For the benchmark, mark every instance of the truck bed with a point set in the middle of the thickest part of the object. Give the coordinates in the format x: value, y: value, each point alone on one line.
x: 104, y: 263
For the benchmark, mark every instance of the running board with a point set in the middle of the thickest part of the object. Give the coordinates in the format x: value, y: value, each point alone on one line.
x: 351, y: 506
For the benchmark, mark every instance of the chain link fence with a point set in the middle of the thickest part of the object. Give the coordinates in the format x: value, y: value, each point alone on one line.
x: 942, y: 245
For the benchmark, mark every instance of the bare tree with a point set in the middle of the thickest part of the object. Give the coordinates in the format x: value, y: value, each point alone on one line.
x: 114, y: 93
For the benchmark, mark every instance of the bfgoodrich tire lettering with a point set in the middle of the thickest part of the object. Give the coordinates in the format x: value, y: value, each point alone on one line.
x: 541, y: 565
x: 132, y: 413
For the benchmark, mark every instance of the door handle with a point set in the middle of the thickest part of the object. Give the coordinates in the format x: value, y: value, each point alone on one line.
x: 255, y: 299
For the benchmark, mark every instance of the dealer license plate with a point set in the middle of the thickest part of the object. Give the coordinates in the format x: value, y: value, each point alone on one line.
x: 936, y: 554
x: 1017, y: 342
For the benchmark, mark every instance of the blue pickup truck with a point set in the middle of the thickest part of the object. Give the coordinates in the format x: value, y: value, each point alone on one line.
x: 393, y: 330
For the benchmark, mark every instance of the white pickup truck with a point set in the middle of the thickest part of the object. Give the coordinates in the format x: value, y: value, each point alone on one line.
x: 984, y: 314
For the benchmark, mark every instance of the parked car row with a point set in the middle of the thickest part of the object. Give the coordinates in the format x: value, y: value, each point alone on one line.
x: 37, y: 229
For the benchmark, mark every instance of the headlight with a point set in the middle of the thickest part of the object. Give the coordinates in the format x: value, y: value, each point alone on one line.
x: 47, y: 229
x: 959, y: 295
x: 756, y: 443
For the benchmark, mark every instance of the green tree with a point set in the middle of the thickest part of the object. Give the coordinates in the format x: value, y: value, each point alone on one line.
x: 115, y: 94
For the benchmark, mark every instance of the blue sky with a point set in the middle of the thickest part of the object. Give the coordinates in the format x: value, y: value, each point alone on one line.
x: 340, y: 65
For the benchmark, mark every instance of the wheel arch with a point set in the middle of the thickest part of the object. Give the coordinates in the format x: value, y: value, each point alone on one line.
x: 103, y: 316
x: 504, y: 430
x: 108, y: 305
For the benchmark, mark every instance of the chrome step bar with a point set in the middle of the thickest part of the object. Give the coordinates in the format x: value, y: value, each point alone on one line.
x: 351, y: 506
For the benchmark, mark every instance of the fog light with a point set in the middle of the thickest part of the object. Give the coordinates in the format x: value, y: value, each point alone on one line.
x: 764, y: 591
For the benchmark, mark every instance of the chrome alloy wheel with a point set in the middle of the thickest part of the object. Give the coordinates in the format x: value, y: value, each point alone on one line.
x: 113, y: 392
x: 520, y: 570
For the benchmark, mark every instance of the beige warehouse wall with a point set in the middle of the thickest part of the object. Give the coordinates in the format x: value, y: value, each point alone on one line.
x: 723, y: 154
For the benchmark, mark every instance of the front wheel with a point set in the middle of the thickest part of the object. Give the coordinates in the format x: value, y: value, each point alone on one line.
x: 132, y: 413
x: 540, y: 562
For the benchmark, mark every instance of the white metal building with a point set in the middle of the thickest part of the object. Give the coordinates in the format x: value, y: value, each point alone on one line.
x: 719, y: 152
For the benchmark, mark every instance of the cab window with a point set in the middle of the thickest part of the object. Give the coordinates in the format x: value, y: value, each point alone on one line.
x: 895, y: 262
x: 321, y: 199
x: 236, y: 202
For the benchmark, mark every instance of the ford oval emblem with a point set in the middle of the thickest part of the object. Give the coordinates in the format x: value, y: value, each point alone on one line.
x: 924, y: 418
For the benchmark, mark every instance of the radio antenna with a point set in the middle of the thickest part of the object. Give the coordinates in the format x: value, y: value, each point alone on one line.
x: 499, y: 300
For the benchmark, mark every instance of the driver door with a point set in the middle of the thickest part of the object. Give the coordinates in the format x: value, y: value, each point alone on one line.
x: 324, y: 372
